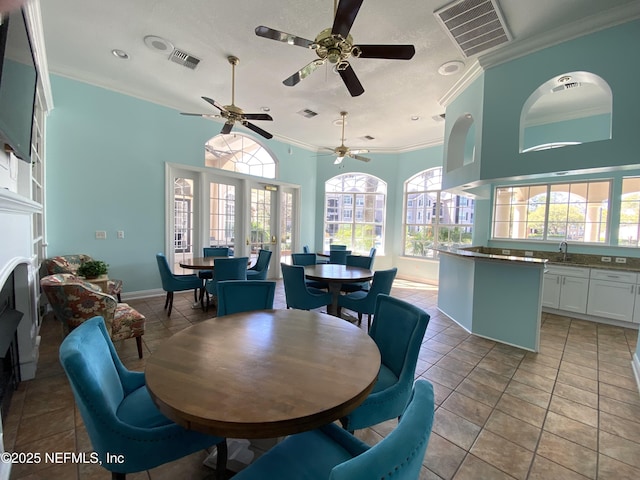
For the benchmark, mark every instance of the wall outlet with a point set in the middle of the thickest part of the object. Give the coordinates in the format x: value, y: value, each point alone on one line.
x: 101, y: 235
x: 528, y: 254
x: 621, y: 260
x: 506, y: 252
x: 605, y: 259
x: 121, y: 234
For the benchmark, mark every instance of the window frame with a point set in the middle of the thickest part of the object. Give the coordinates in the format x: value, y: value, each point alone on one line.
x: 433, y: 211
x: 551, y: 199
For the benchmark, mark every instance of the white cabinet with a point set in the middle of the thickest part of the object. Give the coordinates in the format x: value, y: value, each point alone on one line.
x: 566, y: 288
x: 636, y: 309
x: 612, y: 294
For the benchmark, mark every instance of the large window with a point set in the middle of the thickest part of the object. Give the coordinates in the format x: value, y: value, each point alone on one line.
x: 556, y: 212
x: 354, y: 212
x: 434, y: 218
x: 239, y: 153
x: 629, y: 212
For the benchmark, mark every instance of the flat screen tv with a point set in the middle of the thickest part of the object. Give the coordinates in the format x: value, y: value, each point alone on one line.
x: 18, y: 80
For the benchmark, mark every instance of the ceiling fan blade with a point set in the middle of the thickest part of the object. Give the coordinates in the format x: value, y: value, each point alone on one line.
x: 226, y: 128
x: 345, y: 16
x: 351, y: 81
x: 355, y: 152
x: 214, y: 103
x: 200, y: 114
x: 392, y: 52
x: 257, y: 116
x: 257, y: 129
x: 279, y: 36
x: 359, y: 157
x: 304, y: 72
x: 338, y: 160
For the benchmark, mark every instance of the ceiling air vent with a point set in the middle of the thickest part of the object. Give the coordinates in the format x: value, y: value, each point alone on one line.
x: 475, y: 26
x: 184, y: 59
x: 565, y: 86
x: 368, y: 138
x: 307, y: 113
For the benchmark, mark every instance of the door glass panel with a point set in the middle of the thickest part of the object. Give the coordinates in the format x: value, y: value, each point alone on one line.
x: 222, y: 215
x: 286, y: 226
x: 182, y: 220
x: 261, y: 228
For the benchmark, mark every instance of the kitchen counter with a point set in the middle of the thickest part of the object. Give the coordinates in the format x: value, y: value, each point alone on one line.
x: 492, y: 295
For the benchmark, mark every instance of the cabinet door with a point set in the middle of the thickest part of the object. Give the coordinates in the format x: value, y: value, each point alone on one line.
x: 573, y: 294
x: 613, y: 300
x: 551, y: 290
x: 636, y: 309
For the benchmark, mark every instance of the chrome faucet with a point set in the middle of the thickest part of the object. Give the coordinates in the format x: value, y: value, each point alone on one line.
x: 563, y: 249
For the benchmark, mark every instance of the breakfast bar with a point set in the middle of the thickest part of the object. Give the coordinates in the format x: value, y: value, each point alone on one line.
x: 493, y: 296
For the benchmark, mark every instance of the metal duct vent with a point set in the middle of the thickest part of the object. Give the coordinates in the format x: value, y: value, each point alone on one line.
x: 565, y: 86
x: 307, y: 113
x: 474, y: 25
x: 184, y: 59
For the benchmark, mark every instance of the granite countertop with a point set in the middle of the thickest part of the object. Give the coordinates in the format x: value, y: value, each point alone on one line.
x: 473, y: 253
x: 573, y: 259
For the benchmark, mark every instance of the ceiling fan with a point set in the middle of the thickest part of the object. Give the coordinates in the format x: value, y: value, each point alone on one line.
x: 232, y: 113
x: 344, y: 151
x: 336, y: 46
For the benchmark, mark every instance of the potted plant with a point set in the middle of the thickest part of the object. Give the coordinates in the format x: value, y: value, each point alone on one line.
x: 93, y: 269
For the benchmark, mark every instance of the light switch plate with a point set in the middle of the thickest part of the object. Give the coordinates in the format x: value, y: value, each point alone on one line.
x: 605, y: 259
x: 621, y: 260
x: 101, y: 235
x: 120, y: 234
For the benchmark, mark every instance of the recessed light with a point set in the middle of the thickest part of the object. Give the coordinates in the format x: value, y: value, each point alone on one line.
x: 565, y: 79
x: 158, y: 44
x: 449, y: 68
x: 265, y: 109
x: 415, y: 118
x: 120, y: 54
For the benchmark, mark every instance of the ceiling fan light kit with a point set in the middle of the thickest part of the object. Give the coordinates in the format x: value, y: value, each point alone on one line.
x: 232, y: 113
x: 335, y: 46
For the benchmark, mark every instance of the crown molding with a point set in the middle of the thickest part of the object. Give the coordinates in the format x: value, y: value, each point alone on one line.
x: 600, y: 21
x: 467, y: 78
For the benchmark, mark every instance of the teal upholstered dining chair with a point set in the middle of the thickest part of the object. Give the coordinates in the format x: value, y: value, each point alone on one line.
x: 297, y: 293
x: 261, y: 268
x: 329, y: 453
x: 364, y: 301
x: 117, y: 410
x: 305, y: 259
x: 337, y: 247
x: 245, y: 295
x: 339, y: 256
x: 398, y: 329
x: 212, y: 252
x: 361, y: 261
x: 226, y: 269
x: 175, y: 283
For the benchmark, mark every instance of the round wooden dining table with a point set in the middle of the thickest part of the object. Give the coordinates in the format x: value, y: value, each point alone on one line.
x: 262, y: 374
x: 335, y: 275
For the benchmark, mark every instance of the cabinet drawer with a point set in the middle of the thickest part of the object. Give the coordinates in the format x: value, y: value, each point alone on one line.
x: 580, y: 272
x: 614, y: 276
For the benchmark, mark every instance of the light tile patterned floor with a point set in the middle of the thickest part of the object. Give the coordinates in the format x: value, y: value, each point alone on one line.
x: 571, y: 411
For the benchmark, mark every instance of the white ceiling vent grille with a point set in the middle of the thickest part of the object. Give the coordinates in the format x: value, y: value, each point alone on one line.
x: 184, y: 59
x: 475, y: 26
x: 566, y: 86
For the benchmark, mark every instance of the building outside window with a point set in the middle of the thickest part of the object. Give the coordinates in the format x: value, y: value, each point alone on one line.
x: 575, y: 212
x: 434, y: 218
x: 355, y: 212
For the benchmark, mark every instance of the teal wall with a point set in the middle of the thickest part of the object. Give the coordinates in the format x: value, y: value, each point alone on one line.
x: 586, y: 129
x: 106, y: 155
x: 507, y: 87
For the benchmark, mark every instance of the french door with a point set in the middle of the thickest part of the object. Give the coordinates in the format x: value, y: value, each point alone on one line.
x: 217, y: 209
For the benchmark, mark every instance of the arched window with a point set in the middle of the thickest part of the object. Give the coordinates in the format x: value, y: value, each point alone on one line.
x: 354, y: 212
x: 433, y: 218
x: 239, y: 153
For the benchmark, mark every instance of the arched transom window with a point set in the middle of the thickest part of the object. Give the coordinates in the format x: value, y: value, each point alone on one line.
x: 239, y: 153
x: 354, y: 212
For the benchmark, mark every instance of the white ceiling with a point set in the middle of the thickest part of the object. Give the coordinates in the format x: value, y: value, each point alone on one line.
x: 80, y: 35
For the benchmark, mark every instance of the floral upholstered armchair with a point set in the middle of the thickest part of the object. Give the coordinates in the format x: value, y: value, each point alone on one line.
x: 74, y: 300
x: 71, y: 263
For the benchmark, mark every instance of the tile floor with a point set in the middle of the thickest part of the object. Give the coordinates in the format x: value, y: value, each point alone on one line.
x: 571, y: 411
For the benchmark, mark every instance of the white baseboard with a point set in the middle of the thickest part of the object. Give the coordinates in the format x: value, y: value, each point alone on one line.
x: 636, y: 369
